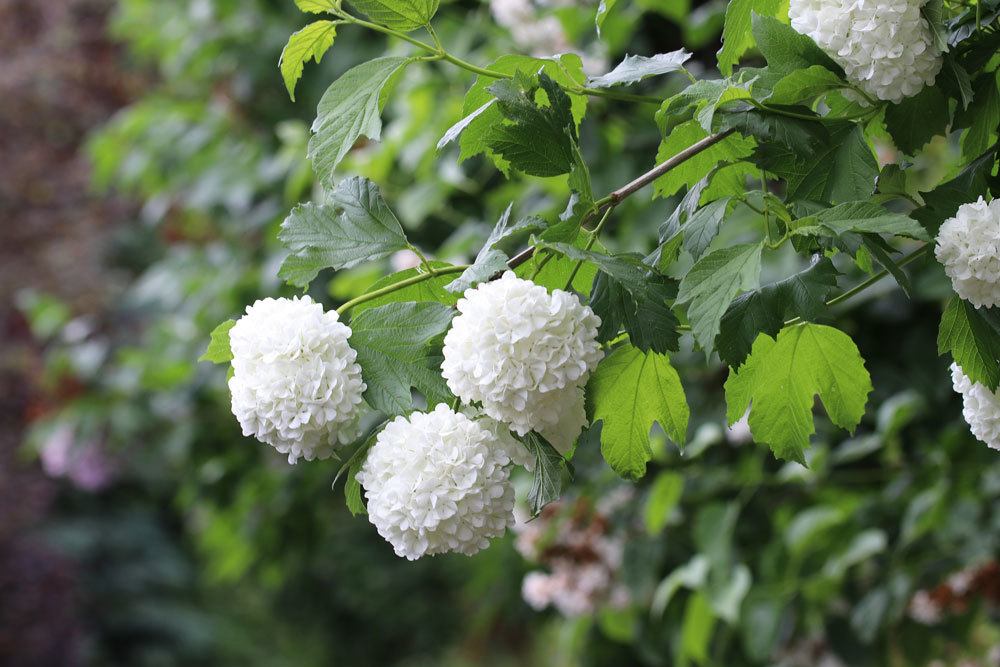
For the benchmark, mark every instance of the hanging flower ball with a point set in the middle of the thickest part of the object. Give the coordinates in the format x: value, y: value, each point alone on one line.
x: 295, y: 383
x: 438, y: 482
x: 513, y: 344
x: 885, y: 46
x: 969, y: 247
x: 981, y: 408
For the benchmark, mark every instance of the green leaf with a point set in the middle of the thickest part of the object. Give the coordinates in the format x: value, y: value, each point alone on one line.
x: 456, y: 130
x: 603, y: 9
x: 316, y: 6
x: 957, y: 81
x: 350, y: 108
x: 972, y: 337
x: 431, y: 290
x: 550, y: 466
x: 781, y: 377
x: 805, y: 86
x: 918, y: 119
x: 309, y: 43
x: 703, y: 226
x: 626, y: 294
x: 983, y: 117
x: 355, y: 226
x: 566, y: 70
x: 692, y: 170
x: 534, y: 139
x: 933, y: 13
x: 737, y: 37
x: 765, y: 310
x: 696, y: 630
x: 798, y: 136
x: 629, y: 391
x: 556, y: 270
x: 664, y: 495
x: 700, y: 99
x: 491, y: 260
x: 402, y: 15
x: 943, y: 201
x: 844, y: 169
x: 636, y: 68
x: 399, y: 347
x: 218, y: 351
x: 860, y: 217
x: 712, y: 283
x: 787, y: 50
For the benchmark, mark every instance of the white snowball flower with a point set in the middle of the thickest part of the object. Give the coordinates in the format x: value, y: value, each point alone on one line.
x: 513, y: 345
x: 295, y: 383
x: 438, y: 482
x: 884, y: 46
x: 969, y: 247
x: 565, y: 419
x: 981, y: 407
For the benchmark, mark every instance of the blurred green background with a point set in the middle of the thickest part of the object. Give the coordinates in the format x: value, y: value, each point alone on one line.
x: 151, y: 152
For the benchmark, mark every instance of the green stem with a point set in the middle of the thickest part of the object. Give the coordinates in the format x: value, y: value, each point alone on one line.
x: 389, y: 289
x: 589, y: 245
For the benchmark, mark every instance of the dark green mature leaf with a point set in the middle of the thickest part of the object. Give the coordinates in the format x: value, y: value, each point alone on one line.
x: 399, y: 347
x: 700, y: 100
x: 629, y: 391
x: 536, y: 140
x: 355, y: 226
x: 956, y: 80
x: 844, y: 169
x: 350, y: 108
x: 787, y: 50
x: 882, y: 252
x: 765, y: 310
x: 307, y: 44
x: 918, y: 119
x: 403, y: 15
x: 797, y: 135
x: 550, y: 468
x: 689, y: 172
x: 933, y: 13
x: 860, y: 217
x: 780, y: 379
x: 566, y: 70
x: 943, y: 201
x: 218, y: 351
x: 972, y: 338
x: 431, y: 289
x: 636, y: 68
x: 805, y: 86
x: 983, y: 117
x: 491, y: 260
x: 711, y: 285
x: 737, y: 37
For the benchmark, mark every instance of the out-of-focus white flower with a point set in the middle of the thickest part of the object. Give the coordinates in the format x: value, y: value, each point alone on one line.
x: 923, y: 609
x: 981, y: 407
x: 514, y: 347
x: 968, y: 245
x: 85, y: 463
x: 885, y: 46
x: 295, y: 385
x: 542, y: 34
x: 404, y: 259
x: 438, y: 482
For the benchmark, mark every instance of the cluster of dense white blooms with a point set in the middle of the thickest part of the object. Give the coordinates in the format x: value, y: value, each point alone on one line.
x: 969, y: 247
x: 439, y: 482
x: 885, y: 46
x: 582, y: 559
x: 523, y: 354
x: 981, y: 407
x: 295, y: 384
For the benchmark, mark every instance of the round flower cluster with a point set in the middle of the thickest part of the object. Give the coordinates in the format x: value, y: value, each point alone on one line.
x: 981, y: 407
x: 295, y: 383
x: 884, y: 46
x: 439, y: 482
x: 969, y: 247
x: 524, y: 354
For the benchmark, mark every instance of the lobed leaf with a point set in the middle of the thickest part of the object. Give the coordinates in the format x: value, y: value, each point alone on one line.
x: 219, y: 351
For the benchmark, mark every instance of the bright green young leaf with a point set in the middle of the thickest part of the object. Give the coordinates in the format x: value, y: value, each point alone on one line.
x: 918, y: 119
x: 402, y: 15
x: 636, y: 68
x: 603, y: 9
x: 731, y: 149
x: 972, y: 337
x: 765, y: 310
x: 350, y: 108
x: 399, y: 348
x: 355, y: 226
x: 309, y: 43
x: 787, y: 50
x: 629, y: 391
x: 696, y: 630
x: 780, y: 379
x: 218, y: 351
x: 316, y: 6
x: 860, y: 217
x: 712, y: 284
x: 550, y: 468
x: 804, y: 86
x: 431, y: 289
x: 664, y: 494
x: 737, y: 37
x: 491, y: 260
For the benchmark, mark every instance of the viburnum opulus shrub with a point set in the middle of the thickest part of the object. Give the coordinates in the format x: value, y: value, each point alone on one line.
x: 459, y: 373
